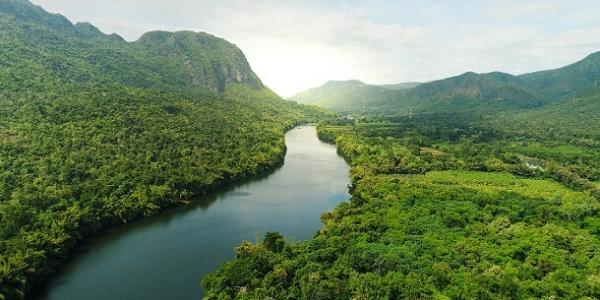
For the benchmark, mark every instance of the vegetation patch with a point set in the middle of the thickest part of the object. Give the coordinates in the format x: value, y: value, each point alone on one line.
x: 448, y: 234
x: 431, y: 151
x: 96, y: 131
x: 474, y: 222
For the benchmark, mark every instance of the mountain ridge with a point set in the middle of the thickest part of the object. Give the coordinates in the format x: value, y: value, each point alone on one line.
x: 82, y: 53
x: 470, y: 91
x: 343, y: 90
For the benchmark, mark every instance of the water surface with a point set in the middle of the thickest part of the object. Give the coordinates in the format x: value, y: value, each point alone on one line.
x: 165, y: 257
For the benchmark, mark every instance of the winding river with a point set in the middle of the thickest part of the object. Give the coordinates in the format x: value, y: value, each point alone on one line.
x: 165, y: 257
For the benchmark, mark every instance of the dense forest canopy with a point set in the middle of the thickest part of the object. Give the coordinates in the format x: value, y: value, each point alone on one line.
x: 479, y: 186
x: 445, y: 206
x: 96, y: 131
x: 485, y: 187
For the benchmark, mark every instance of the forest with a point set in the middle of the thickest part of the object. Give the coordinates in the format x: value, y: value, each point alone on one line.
x: 83, y: 161
x: 96, y: 132
x: 478, y: 186
x: 445, y: 206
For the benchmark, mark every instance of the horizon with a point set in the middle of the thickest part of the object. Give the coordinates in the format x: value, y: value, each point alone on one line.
x: 376, y: 42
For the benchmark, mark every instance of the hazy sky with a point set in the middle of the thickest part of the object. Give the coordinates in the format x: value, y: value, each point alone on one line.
x: 295, y: 45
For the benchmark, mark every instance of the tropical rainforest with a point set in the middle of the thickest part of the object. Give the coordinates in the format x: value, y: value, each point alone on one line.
x: 96, y: 131
x: 479, y: 186
x: 487, y: 188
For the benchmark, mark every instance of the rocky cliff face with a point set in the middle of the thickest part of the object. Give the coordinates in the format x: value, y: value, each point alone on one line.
x: 203, y: 59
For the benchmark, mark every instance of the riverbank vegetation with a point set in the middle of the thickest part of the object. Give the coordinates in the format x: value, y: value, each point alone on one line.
x: 479, y: 186
x: 445, y: 206
x: 96, y: 131
x: 79, y: 163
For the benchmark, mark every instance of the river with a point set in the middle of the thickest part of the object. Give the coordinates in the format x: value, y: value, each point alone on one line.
x: 165, y: 257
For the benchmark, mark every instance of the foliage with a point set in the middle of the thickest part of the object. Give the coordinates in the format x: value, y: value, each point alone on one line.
x: 462, y: 235
x: 87, y: 160
x: 96, y: 131
x: 445, y: 206
x: 572, y: 121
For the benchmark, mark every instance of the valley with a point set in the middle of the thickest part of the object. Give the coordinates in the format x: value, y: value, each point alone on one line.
x: 97, y: 132
x: 164, y: 167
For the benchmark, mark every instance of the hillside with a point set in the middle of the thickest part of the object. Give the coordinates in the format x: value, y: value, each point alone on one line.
x: 567, y: 119
x: 96, y: 131
x: 342, y: 95
x: 567, y: 82
x: 469, y: 92
x: 401, y: 86
x: 466, y: 92
x: 57, y: 49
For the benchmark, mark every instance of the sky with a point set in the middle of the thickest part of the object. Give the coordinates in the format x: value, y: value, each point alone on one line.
x: 297, y: 45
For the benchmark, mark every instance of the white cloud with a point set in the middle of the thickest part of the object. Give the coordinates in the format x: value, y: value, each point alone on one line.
x: 295, y: 45
x: 510, y: 9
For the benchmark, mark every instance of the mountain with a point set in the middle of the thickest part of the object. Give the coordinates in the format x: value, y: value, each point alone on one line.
x: 401, y: 86
x: 341, y: 95
x: 570, y: 81
x: 96, y: 131
x: 469, y: 92
x: 202, y: 59
x: 570, y: 118
x: 81, y: 53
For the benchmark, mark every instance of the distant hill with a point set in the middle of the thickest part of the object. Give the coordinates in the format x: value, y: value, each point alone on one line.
x: 342, y: 95
x: 567, y: 82
x: 466, y: 92
x: 573, y: 117
x: 401, y: 86
x: 198, y: 58
x: 469, y: 92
